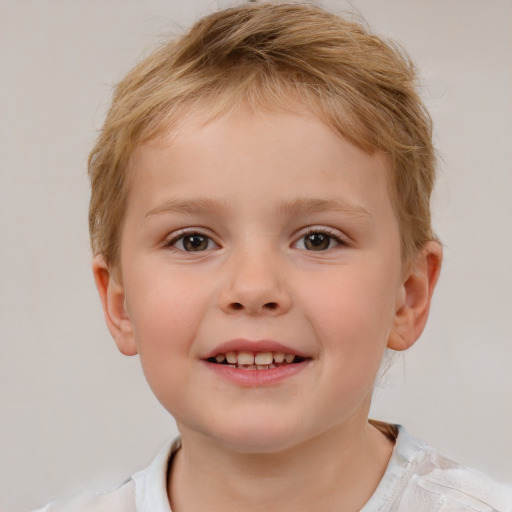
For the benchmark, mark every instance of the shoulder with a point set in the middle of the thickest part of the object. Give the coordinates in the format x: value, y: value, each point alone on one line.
x: 121, y: 499
x: 145, y: 491
x: 427, y: 477
x: 461, y: 485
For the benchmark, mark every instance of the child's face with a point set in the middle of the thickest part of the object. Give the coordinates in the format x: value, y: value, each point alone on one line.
x: 268, y: 233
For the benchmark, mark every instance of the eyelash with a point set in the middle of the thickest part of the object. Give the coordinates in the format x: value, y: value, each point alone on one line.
x: 183, y: 234
x: 331, y: 234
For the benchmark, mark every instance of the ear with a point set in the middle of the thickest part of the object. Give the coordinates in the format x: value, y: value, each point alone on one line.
x: 415, y: 296
x: 112, y: 296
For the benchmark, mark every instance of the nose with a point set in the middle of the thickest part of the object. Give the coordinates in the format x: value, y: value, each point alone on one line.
x: 255, y: 286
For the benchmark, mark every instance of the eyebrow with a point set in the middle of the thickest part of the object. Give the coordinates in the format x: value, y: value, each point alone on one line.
x: 295, y: 207
x: 197, y: 206
x: 313, y: 205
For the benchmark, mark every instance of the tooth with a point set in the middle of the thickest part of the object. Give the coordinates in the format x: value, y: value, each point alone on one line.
x: 245, y: 358
x: 231, y: 357
x: 263, y: 358
x: 220, y: 358
x: 251, y: 367
x: 232, y: 365
x: 278, y: 357
x: 262, y: 366
x: 289, y: 358
x: 272, y: 366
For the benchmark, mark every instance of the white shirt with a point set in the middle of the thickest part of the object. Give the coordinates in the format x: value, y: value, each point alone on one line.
x: 417, y: 479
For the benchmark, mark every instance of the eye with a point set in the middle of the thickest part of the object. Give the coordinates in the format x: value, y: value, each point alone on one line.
x: 318, y: 241
x: 192, y: 242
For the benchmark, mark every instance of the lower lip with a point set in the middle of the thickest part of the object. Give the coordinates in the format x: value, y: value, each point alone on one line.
x: 257, y: 378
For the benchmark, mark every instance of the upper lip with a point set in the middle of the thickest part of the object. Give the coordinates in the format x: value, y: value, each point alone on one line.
x: 244, y: 345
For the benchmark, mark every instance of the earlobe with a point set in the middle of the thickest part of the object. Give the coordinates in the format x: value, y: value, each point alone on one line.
x: 112, y: 297
x: 415, y: 296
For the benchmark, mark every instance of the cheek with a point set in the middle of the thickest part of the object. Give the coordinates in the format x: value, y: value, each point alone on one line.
x: 353, y: 310
x: 164, y: 322
x: 165, y: 311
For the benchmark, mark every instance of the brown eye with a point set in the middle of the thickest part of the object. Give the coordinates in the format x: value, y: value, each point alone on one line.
x: 195, y: 242
x: 317, y: 242
x: 192, y: 242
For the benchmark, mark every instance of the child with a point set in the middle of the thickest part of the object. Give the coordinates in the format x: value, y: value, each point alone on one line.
x: 261, y: 228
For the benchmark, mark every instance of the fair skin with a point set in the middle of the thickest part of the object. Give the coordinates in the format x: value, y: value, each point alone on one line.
x: 270, y: 233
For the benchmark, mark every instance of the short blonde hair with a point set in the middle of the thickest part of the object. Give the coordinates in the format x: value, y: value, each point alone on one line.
x: 274, y: 56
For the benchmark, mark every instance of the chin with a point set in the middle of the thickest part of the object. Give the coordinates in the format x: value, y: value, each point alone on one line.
x: 257, y: 437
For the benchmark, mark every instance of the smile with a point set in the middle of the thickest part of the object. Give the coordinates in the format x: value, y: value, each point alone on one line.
x: 235, y: 361
x: 255, y: 360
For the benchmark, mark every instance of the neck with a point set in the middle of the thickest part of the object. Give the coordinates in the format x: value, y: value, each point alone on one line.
x: 338, y: 470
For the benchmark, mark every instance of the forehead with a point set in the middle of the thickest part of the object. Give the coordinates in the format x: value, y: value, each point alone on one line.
x: 248, y: 138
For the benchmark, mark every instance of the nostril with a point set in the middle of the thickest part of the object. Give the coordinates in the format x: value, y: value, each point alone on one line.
x: 270, y: 305
x: 237, y: 305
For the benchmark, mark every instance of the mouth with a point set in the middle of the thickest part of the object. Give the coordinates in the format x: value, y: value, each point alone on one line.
x: 247, y: 360
x: 256, y: 363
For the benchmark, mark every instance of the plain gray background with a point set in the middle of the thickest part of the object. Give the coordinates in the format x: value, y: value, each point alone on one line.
x: 73, y: 412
